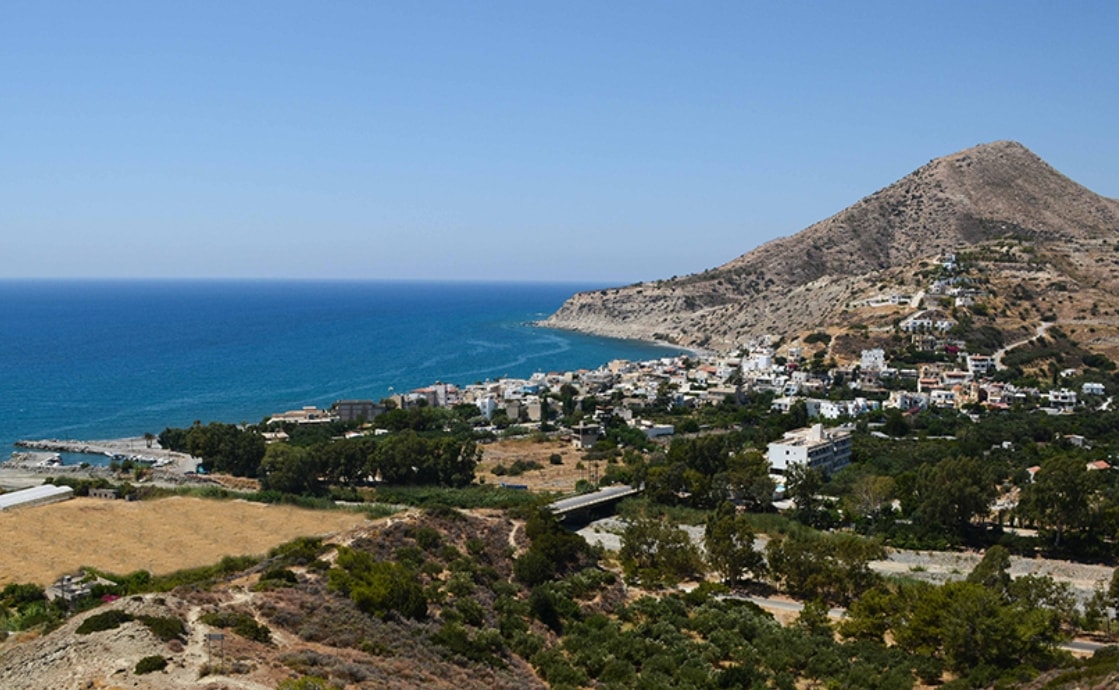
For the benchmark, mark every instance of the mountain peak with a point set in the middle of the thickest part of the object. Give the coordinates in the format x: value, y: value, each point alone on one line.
x: 974, y: 196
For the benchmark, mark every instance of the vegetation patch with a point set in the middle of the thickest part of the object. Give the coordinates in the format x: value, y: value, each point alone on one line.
x: 241, y: 623
x: 107, y: 620
x: 150, y: 664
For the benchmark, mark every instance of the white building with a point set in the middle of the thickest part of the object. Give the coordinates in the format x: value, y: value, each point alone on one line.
x: 785, y: 404
x: 873, y: 360
x: 759, y: 360
x: 820, y: 449
x: 487, y: 406
x: 1092, y: 388
x: 1062, y: 399
x: 980, y: 365
x: 942, y: 398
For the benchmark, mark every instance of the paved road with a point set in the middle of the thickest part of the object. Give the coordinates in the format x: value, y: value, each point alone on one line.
x: 610, y: 493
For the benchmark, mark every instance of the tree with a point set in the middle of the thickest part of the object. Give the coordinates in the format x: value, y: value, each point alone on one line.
x: 729, y: 541
x: 289, y: 470
x: 870, y: 495
x: 952, y: 493
x: 993, y: 572
x: 554, y: 550
x: 1063, y: 497
x: 895, y: 423
x: 657, y: 552
x: 803, y: 485
x: 567, y: 393
x: 967, y: 626
x: 748, y: 478
x: 832, y: 567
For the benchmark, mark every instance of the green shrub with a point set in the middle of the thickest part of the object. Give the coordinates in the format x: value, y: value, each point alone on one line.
x: 241, y: 623
x: 379, y: 588
x: 279, y: 575
x: 166, y: 628
x: 150, y: 664
x: 428, y: 538
x: 103, y: 621
x: 304, y: 683
x: 299, y: 551
x: 15, y: 594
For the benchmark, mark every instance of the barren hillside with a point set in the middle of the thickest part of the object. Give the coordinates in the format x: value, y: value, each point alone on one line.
x: 992, y: 193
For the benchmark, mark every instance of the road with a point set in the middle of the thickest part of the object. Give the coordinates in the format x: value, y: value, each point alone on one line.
x: 583, y: 501
x: 999, y: 354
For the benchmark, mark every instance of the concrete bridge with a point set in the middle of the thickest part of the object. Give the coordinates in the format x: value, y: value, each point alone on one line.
x: 586, y: 505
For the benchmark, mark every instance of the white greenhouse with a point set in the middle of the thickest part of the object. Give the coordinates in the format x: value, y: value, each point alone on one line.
x: 35, y: 496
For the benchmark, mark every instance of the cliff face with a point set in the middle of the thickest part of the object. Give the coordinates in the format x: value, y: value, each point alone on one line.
x: 992, y: 192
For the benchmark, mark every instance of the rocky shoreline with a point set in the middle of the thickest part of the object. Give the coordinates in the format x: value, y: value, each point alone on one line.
x: 24, y: 469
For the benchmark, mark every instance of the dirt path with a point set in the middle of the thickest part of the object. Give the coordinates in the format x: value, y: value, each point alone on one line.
x: 997, y: 357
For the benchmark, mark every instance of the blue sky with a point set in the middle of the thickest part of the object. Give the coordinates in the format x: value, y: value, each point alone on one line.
x: 596, y: 141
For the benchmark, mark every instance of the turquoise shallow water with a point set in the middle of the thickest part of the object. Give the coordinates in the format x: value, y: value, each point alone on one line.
x: 101, y: 359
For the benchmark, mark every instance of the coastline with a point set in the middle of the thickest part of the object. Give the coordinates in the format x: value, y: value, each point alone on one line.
x: 28, y: 468
x: 621, y: 334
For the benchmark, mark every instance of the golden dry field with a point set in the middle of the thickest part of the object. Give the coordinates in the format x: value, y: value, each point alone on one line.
x: 44, y: 542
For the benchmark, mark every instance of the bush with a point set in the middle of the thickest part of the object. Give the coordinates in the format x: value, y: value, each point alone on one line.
x: 304, y: 683
x: 15, y: 594
x: 241, y: 623
x: 150, y: 664
x: 300, y: 551
x: 103, y: 621
x: 519, y: 467
x: 166, y: 628
x: 279, y: 575
x: 379, y: 588
x: 428, y: 538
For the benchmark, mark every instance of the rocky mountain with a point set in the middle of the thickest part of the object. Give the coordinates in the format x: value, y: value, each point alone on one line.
x: 1020, y: 220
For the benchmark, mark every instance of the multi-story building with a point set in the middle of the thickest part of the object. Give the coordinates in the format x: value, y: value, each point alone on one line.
x: 821, y: 449
x: 353, y: 410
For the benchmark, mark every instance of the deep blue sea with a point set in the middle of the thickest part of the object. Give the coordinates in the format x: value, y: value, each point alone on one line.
x: 105, y: 359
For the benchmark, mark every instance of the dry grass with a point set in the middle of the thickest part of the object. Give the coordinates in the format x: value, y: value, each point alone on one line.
x: 44, y: 542
x: 559, y: 478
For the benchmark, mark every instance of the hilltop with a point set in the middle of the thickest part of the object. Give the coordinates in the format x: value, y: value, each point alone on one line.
x: 1018, y: 220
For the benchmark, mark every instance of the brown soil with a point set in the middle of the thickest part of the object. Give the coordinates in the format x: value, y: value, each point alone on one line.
x: 44, y: 542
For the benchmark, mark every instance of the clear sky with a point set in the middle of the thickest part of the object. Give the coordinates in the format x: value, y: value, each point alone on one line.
x: 521, y: 140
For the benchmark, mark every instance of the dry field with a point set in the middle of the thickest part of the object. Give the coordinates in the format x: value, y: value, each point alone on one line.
x: 559, y: 478
x: 44, y: 542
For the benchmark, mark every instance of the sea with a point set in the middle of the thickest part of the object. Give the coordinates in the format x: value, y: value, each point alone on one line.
x: 98, y: 359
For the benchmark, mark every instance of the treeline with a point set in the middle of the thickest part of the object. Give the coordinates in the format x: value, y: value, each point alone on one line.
x: 936, y: 479
x: 1015, y: 468
x: 408, y: 457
